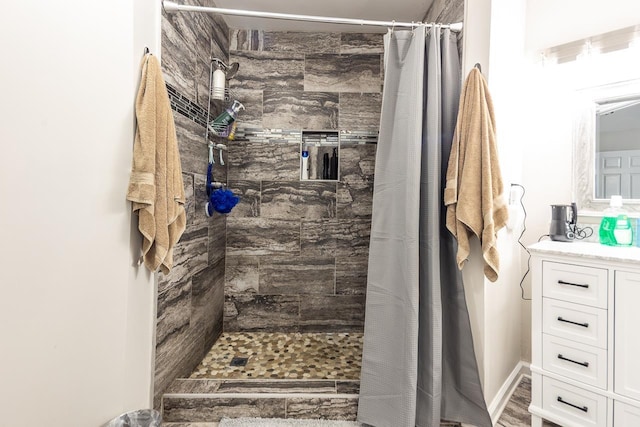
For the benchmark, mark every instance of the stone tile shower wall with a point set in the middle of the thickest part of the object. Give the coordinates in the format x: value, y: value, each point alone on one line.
x: 297, y: 250
x: 191, y: 297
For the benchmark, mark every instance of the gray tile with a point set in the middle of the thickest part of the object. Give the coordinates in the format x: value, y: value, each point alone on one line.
x: 445, y: 11
x: 176, y: 357
x: 268, y: 70
x: 217, y: 237
x: 194, y: 28
x: 220, y: 31
x: 174, y: 311
x: 249, y: 193
x: 283, y: 386
x: 357, y: 163
x: 213, y: 424
x: 251, y: 99
x: 360, y: 111
x: 294, y: 276
x: 178, y: 61
x: 214, y: 408
x: 351, y: 275
x: 261, y: 313
x: 298, y: 199
x: 333, y: 310
x: 182, y: 385
x: 361, y: 43
x: 189, y: 256
x: 305, y: 42
x: 246, y: 40
x: 192, y: 145
x: 338, y: 238
x: 202, y: 73
x: 317, y: 238
x: 342, y: 73
x: 208, y: 301
x: 320, y: 408
x: 241, y: 275
x: 354, y: 200
x: 260, y: 236
x: 264, y: 161
x: 348, y: 387
x: 352, y: 237
x: 300, y: 110
x: 200, y: 198
x: 190, y: 201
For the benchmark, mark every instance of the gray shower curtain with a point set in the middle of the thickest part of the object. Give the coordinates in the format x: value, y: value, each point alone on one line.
x: 418, y: 363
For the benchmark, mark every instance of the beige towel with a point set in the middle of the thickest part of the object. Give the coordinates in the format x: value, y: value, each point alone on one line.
x: 473, y: 193
x: 155, y: 185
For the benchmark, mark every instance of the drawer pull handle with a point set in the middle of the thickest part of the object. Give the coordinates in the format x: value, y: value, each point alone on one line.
x: 582, y: 408
x: 584, y: 325
x: 585, y: 364
x: 579, y: 285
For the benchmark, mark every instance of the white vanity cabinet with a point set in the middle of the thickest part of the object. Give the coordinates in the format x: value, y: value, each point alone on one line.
x: 585, y: 335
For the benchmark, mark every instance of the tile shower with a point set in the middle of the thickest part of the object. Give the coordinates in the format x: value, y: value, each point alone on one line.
x: 288, y: 265
x: 284, y: 275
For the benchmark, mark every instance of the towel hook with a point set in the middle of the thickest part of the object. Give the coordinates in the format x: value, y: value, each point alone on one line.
x: 478, y: 66
x: 146, y: 50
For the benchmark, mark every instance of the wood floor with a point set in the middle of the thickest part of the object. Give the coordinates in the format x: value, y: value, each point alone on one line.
x: 516, y: 414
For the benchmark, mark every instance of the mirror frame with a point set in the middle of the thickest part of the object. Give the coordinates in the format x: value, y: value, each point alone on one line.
x: 584, y: 145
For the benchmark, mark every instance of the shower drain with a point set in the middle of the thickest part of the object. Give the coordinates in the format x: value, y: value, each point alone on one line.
x: 239, y: 361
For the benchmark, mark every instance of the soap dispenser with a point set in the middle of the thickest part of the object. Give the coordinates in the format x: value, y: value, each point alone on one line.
x: 615, y: 227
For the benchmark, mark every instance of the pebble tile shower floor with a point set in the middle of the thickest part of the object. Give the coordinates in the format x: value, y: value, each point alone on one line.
x: 284, y: 356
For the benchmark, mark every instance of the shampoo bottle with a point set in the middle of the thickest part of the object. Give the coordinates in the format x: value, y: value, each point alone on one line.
x: 305, y: 165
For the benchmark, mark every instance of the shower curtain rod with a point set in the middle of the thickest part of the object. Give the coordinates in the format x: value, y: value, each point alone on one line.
x: 170, y: 6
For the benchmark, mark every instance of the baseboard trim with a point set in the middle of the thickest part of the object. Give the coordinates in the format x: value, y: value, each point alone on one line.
x: 501, y: 399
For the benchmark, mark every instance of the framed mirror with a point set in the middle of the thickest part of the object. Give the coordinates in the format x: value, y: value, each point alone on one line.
x: 606, y: 143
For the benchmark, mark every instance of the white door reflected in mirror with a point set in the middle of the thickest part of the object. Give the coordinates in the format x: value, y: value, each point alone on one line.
x: 617, y: 169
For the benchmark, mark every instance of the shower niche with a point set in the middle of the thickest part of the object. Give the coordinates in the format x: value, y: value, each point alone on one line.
x: 320, y: 156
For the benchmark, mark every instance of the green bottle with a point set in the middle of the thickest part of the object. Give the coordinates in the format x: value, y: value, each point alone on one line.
x: 615, y: 227
x: 220, y: 125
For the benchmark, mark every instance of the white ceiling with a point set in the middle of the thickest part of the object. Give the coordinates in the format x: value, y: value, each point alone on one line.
x: 379, y: 10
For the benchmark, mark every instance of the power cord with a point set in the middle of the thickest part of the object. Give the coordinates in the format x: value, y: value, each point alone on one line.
x: 524, y: 228
x: 582, y: 233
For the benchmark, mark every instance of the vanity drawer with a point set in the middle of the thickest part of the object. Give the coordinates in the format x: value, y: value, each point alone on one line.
x: 574, y: 283
x: 575, y: 322
x: 574, y: 404
x: 574, y: 360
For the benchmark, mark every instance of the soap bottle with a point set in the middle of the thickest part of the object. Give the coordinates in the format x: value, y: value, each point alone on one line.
x: 305, y: 164
x: 623, y: 231
x: 615, y: 227
x: 219, y: 125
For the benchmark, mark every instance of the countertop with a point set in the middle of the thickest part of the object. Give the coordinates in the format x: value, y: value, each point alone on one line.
x: 588, y: 250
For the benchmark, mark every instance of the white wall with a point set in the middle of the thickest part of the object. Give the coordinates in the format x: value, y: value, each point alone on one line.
x: 76, y: 316
x: 503, y: 321
x: 552, y: 22
x: 493, y: 32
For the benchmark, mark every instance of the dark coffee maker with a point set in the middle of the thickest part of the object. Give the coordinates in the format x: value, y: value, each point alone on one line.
x: 563, y: 222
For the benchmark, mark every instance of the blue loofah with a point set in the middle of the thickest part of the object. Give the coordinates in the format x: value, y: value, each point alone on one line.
x: 223, y: 200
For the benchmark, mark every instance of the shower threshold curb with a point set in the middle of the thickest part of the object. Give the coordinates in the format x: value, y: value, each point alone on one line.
x: 197, y: 401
